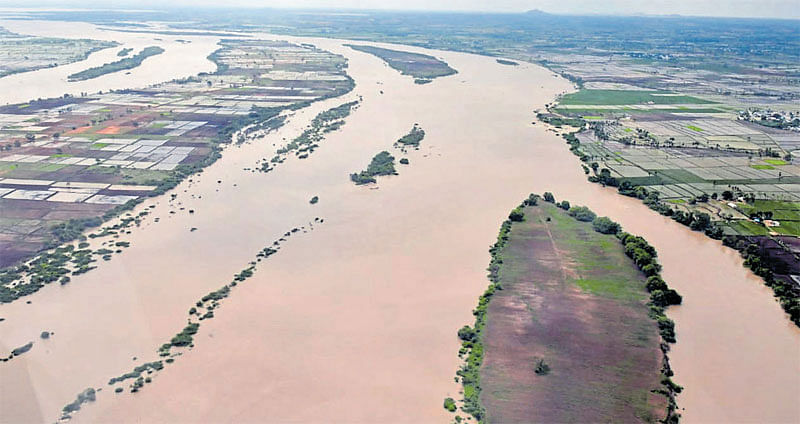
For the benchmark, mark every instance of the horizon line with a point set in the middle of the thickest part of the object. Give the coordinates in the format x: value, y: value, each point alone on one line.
x: 123, y: 9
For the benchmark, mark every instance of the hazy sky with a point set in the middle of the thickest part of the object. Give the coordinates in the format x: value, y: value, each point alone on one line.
x: 738, y: 8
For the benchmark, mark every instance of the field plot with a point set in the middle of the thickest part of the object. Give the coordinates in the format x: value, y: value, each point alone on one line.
x: 22, y: 53
x: 574, y: 302
x: 79, y: 157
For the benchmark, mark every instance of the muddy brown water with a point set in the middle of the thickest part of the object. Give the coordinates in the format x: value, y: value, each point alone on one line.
x: 179, y: 60
x: 356, y: 320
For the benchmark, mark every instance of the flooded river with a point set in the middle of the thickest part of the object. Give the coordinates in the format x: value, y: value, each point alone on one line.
x: 179, y: 60
x: 356, y: 320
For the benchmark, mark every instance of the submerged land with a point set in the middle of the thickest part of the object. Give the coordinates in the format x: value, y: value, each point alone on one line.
x: 153, y: 205
x: 21, y: 53
x: 67, y: 162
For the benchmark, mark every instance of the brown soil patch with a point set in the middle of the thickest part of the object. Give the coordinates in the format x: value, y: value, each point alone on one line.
x: 113, y: 129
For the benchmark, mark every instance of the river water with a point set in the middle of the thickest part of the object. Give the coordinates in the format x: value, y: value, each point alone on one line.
x: 356, y: 320
x: 179, y: 60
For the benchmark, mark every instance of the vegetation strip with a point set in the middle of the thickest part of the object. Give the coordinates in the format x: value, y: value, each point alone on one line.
x: 303, y: 145
x: 636, y: 248
x: 120, y: 65
x: 58, y: 264
x: 184, y: 340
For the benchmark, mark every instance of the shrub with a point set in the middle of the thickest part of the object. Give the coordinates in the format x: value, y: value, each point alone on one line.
x: 450, y: 404
x: 582, y: 213
x: 541, y: 367
x: 548, y: 197
x: 605, y: 225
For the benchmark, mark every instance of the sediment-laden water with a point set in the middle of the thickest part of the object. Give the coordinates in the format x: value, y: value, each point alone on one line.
x: 179, y: 60
x: 356, y: 322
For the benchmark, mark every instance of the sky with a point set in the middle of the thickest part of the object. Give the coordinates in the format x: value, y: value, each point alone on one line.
x: 732, y: 8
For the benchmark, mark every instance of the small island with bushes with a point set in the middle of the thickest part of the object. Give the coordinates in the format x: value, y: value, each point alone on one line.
x: 412, y: 139
x: 382, y: 164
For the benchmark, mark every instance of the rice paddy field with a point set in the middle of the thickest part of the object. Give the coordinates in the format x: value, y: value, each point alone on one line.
x: 78, y: 157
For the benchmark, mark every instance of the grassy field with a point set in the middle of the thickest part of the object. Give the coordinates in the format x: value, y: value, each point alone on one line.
x: 786, y: 213
x: 627, y: 97
x: 573, y: 302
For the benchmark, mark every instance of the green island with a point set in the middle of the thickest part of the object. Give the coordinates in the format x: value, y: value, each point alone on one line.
x: 381, y: 164
x: 572, y: 325
x: 507, y: 62
x: 120, y: 65
x: 424, y: 68
x: 413, y: 138
x: 88, y: 395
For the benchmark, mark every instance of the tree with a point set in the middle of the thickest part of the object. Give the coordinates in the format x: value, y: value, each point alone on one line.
x: 467, y: 333
x: 727, y: 195
x: 656, y: 283
x: 516, y: 215
x: 700, y: 222
x: 548, y: 197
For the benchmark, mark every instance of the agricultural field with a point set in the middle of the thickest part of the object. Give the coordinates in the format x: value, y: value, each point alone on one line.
x: 22, y: 53
x: 718, y: 159
x: 424, y: 68
x: 568, y: 338
x: 71, y: 159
